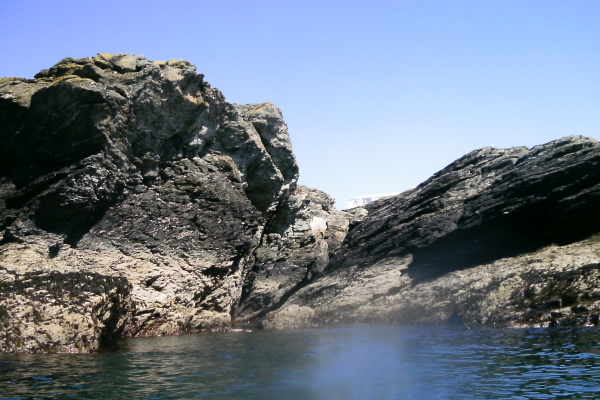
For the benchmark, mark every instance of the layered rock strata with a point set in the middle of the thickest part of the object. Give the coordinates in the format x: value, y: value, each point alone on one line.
x: 136, y: 201
x: 499, y: 237
x: 296, y: 247
x: 140, y: 180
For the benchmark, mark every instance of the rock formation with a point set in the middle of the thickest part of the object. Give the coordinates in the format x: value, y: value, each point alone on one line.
x: 136, y: 201
x: 499, y: 237
x: 295, y: 247
x: 133, y: 200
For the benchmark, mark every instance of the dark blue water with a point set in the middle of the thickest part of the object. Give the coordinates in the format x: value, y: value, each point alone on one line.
x: 361, y: 362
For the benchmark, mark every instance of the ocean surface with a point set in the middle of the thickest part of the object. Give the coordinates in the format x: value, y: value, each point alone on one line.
x: 355, y: 362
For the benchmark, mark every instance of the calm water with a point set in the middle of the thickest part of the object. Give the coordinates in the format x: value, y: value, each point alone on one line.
x: 363, y: 362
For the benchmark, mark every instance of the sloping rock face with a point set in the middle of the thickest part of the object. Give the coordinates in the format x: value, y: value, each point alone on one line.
x: 136, y: 201
x: 55, y: 311
x: 296, y: 246
x: 138, y: 180
x: 499, y: 237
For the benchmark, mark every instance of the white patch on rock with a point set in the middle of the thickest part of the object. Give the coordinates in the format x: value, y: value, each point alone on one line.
x: 318, y: 224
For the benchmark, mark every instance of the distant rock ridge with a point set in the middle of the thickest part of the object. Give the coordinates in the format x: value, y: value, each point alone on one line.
x: 136, y: 201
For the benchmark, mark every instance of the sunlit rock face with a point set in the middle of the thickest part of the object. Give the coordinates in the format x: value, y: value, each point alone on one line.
x: 137, y: 172
x: 499, y: 237
x: 295, y: 248
x: 136, y: 201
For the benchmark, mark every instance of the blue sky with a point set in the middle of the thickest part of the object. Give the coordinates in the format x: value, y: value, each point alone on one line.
x: 377, y: 95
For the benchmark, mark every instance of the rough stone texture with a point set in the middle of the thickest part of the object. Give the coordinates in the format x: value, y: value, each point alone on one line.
x: 554, y: 286
x: 439, y: 253
x: 119, y: 169
x: 136, y: 201
x: 295, y: 247
x: 53, y: 311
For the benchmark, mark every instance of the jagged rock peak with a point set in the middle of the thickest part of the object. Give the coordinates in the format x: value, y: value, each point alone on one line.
x: 119, y: 63
x: 144, y: 113
x: 139, y: 181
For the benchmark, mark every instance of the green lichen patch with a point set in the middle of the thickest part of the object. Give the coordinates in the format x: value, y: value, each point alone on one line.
x: 71, y: 79
x: 67, y: 66
x: 9, y: 81
x: 178, y: 63
x: 102, y: 60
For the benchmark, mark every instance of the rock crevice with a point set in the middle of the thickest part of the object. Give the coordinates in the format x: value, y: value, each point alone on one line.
x: 136, y: 201
x: 465, y: 231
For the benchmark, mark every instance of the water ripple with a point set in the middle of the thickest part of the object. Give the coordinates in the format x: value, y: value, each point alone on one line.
x: 359, y: 362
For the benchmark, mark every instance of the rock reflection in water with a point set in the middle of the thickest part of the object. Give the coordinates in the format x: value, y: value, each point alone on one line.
x: 361, y: 362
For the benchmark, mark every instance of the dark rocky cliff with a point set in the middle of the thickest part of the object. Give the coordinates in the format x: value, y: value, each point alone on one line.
x: 139, y: 180
x: 135, y: 201
x: 499, y: 237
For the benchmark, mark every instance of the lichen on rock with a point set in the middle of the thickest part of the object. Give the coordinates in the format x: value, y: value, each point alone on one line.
x: 136, y: 201
x: 137, y: 171
x: 497, y: 238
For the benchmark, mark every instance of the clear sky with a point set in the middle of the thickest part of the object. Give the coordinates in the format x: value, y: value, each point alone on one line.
x: 377, y: 95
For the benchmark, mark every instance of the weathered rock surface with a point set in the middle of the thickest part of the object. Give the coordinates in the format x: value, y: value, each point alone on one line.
x: 136, y: 201
x: 296, y: 246
x: 499, y: 237
x: 55, y: 311
x: 134, y: 176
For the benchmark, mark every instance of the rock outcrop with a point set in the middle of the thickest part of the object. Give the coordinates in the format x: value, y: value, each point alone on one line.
x: 296, y: 246
x: 499, y: 237
x: 119, y: 169
x: 136, y: 201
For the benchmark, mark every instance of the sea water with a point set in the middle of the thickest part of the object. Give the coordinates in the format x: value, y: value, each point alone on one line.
x: 353, y: 362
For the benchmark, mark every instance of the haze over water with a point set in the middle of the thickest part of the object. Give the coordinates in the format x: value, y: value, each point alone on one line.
x: 358, y: 362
